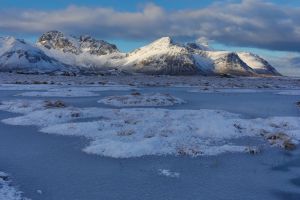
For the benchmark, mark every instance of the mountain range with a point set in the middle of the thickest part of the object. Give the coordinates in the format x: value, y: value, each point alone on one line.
x: 56, y: 52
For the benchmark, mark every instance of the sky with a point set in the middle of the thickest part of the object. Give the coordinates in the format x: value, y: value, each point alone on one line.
x: 270, y: 28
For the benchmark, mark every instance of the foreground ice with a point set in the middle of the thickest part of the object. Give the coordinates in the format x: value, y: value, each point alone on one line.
x: 137, y: 99
x: 7, y: 191
x: 123, y: 133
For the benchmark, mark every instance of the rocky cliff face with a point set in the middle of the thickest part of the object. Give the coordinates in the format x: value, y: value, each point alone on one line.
x: 70, y: 44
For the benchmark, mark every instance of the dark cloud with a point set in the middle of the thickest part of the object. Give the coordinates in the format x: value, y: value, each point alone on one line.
x: 248, y: 23
x: 296, y: 61
x: 288, y: 64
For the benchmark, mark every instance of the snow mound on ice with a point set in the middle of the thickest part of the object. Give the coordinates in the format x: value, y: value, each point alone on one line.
x: 137, y: 99
x: 7, y: 191
x: 135, y: 132
x: 168, y: 173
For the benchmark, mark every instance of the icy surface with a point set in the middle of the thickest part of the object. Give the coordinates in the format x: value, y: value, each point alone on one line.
x: 290, y: 92
x: 135, y: 132
x: 137, y: 99
x: 227, y: 90
x: 60, y: 93
x: 245, y: 90
x: 24, y: 87
x: 87, y: 91
x: 7, y: 191
x: 95, y: 177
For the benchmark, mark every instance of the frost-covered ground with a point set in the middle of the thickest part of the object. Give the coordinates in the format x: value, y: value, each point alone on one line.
x: 88, y: 91
x: 200, y: 82
x: 135, y: 132
x: 7, y: 191
x: 138, y: 99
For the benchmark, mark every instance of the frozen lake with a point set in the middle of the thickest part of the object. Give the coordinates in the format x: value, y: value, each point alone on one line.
x: 57, y: 166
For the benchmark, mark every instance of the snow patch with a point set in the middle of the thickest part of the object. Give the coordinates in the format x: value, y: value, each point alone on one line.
x: 128, y: 133
x: 168, y: 173
x: 7, y: 191
x: 75, y: 91
x: 22, y: 106
x: 37, y: 112
x: 137, y: 99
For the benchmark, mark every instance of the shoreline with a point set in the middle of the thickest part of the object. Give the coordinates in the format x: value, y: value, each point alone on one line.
x: 204, y: 82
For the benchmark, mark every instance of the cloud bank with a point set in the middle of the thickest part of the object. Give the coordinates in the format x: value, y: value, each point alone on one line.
x: 288, y: 64
x: 248, y: 23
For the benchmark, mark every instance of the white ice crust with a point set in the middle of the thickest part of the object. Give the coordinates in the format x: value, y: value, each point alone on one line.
x: 135, y: 132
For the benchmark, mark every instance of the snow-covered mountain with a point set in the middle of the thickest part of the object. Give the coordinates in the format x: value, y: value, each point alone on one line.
x: 89, y: 54
x: 223, y: 62
x: 77, y: 45
x: 162, y: 56
x: 17, y: 55
x: 56, y: 51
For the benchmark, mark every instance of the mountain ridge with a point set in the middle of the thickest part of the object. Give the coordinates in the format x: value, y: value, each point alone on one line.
x: 162, y: 56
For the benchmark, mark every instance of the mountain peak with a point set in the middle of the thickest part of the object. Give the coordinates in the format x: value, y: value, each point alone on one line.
x: 10, y: 40
x: 163, y: 41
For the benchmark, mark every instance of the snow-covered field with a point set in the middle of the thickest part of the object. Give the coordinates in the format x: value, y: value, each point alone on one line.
x: 200, y: 82
x: 135, y: 132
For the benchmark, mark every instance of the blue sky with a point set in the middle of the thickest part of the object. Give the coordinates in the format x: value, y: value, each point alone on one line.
x: 267, y: 27
x: 117, y: 4
x: 121, y: 5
